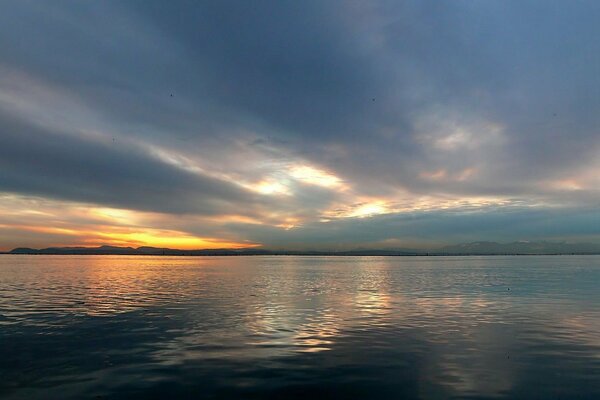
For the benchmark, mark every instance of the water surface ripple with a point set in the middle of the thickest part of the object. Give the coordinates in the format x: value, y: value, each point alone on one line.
x: 124, y: 327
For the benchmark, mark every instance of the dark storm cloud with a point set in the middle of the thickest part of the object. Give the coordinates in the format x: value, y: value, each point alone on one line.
x: 359, y: 77
x: 39, y: 162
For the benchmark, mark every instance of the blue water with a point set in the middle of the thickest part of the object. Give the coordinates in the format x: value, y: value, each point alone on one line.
x: 118, y: 327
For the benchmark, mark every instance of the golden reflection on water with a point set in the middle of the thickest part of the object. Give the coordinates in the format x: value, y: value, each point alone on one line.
x: 96, y: 285
x: 313, y: 322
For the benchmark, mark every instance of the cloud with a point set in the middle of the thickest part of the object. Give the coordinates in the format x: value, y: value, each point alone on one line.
x: 289, y: 113
x: 40, y: 162
x: 431, y: 229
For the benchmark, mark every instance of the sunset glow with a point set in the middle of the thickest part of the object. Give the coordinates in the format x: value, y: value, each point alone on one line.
x: 148, y: 135
x: 314, y: 176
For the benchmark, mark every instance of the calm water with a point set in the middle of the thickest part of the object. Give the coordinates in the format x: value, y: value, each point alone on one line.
x: 75, y: 327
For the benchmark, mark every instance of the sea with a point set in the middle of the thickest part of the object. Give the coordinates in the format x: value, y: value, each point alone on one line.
x: 299, y: 327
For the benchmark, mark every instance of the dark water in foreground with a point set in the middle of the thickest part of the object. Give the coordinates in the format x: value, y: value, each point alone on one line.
x: 118, y: 327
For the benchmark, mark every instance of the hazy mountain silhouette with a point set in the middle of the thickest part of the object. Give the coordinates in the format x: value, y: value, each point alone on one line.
x: 474, y: 248
x: 522, y: 247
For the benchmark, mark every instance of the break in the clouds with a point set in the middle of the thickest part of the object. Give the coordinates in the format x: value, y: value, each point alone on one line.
x: 298, y: 124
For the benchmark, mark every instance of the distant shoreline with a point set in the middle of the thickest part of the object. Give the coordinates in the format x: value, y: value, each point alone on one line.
x: 523, y: 248
x: 305, y: 254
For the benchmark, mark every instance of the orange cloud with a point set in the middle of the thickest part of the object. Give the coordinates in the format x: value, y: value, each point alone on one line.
x: 67, y: 223
x: 172, y: 239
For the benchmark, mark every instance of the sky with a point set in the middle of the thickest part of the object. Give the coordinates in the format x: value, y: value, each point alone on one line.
x: 298, y: 125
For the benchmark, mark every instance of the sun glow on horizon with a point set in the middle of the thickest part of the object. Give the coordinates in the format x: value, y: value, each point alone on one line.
x: 79, y: 224
x: 130, y: 237
x: 171, y: 240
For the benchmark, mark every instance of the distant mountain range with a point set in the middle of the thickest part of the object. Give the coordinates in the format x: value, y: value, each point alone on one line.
x: 474, y: 248
x: 144, y: 250
x: 522, y: 247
